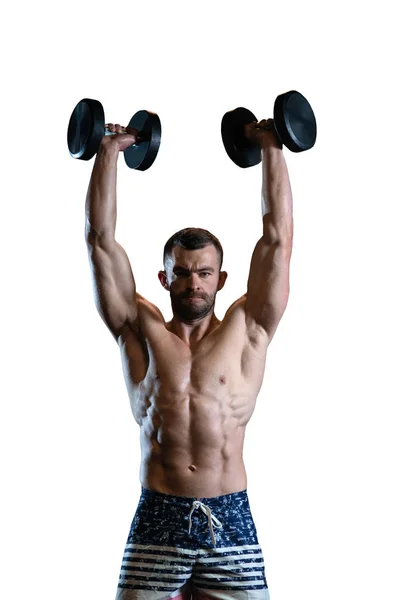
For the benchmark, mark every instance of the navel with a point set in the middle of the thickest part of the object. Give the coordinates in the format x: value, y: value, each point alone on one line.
x: 192, y: 468
x: 222, y: 379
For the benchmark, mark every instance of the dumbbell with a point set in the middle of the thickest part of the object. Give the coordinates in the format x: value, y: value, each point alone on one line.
x: 294, y: 124
x: 86, y: 129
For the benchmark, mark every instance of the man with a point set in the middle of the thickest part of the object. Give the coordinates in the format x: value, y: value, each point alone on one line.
x: 192, y: 384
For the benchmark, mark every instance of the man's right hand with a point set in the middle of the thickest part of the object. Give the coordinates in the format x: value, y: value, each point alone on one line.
x: 125, y: 137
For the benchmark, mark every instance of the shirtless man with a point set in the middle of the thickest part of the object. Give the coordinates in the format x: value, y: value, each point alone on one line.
x: 192, y: 384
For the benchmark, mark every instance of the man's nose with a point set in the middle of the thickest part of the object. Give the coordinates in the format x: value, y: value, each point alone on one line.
x: 193, y: 280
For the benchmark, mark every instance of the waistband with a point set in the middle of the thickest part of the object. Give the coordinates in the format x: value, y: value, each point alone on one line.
x: 225, y: 499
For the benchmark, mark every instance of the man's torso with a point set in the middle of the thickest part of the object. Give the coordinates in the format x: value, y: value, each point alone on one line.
x: 193, y: 403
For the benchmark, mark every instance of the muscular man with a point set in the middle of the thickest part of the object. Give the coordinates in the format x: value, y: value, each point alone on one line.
x: 192, y: 384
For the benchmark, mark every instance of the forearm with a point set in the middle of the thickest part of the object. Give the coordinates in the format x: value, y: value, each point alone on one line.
x: 276, y: 198
x: 101, y: 199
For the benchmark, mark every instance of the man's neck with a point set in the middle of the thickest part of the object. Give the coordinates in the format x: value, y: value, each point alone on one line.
x: 191, y: 333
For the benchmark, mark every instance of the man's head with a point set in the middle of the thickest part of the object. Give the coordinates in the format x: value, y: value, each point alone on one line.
x: 192, y: 262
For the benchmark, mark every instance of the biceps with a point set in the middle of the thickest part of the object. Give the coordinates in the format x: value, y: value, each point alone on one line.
x: 268, y: 283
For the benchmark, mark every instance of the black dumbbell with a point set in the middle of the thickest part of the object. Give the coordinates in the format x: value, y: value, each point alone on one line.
x: 87, y: 127
x: 294, y: 123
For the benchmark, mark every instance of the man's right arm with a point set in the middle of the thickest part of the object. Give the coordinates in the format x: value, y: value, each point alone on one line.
x: 113, y: 282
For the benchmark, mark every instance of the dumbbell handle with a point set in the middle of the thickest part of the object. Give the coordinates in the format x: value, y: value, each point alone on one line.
x: 141, y: 138
x: 270, y: 127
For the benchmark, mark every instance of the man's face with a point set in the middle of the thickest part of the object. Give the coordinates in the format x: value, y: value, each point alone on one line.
x: 193, y: 279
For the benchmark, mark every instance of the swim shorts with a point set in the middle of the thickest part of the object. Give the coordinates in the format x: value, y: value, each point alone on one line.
x: 177, y: 543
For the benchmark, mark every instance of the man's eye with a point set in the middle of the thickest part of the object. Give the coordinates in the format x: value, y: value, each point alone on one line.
x: 205, y: 274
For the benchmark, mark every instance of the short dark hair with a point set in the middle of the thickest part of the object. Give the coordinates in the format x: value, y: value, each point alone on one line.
x: 193, y: 238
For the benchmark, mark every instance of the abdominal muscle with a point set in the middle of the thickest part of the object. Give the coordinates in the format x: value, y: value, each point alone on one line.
x: 192, y: 446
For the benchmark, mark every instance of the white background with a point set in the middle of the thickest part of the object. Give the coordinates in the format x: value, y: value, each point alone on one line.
x: 322, y: 447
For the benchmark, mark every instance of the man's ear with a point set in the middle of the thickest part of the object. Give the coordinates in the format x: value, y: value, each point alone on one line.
x: 222, y: 279
x: 162, y: 276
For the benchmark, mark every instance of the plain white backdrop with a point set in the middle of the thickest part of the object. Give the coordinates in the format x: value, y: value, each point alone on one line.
x: 322, y: 449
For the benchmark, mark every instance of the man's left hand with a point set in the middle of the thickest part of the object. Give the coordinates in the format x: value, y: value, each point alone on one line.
x: 263, y: 133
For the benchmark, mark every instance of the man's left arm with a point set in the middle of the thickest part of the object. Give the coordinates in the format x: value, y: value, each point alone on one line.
x: 268, y: 283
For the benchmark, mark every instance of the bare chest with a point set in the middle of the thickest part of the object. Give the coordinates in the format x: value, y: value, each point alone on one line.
x: 217, y: 381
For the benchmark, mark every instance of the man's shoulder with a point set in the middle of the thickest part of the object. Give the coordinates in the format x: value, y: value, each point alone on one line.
x: 236, y: 309
x: 147, y: 311
x: 237, y: 316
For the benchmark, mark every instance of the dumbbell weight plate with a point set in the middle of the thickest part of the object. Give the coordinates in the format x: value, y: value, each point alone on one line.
x: 295, y: 121
x: 142, y: 155
x: 239, y: 149
x: 85, y: 129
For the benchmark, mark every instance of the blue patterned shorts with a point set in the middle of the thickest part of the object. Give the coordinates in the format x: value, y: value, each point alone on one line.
x: 209, y: 546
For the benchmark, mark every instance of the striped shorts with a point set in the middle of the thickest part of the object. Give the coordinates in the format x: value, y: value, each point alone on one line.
x: 177, y: 545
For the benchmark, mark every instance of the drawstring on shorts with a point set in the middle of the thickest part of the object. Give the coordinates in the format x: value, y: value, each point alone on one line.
x: 211, y: 518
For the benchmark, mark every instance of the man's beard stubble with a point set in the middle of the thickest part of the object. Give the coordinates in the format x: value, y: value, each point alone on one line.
x: 188, y: 311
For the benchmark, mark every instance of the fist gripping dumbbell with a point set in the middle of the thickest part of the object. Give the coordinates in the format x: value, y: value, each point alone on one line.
x: 87, y: 127
x: 294, y: 124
